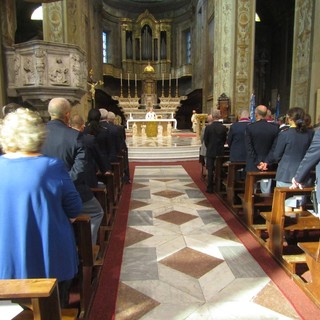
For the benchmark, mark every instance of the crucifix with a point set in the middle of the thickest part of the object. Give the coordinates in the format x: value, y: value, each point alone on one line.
x: 93, y: 84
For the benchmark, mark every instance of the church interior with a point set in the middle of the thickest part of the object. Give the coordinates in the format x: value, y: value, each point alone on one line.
x: 171, y: 250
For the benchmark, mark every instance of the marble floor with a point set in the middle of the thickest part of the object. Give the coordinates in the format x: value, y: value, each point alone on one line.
x: 181, y: 260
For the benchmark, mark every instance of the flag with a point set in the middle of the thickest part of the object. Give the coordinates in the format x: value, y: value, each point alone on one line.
x: 277, y: 113
x: 252, y: 108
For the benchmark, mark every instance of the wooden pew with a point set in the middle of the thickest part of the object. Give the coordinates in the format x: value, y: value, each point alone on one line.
x: 89, y: 262
x: 220, y: 173
x: 279, y: 222
x: 44, y: 297
x: 252, y: 199
x: 234, y: 184
x: 312, y: 252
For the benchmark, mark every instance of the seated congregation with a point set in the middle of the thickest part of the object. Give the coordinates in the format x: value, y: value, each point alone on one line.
x: 60, y: 188
x: 266, y: 174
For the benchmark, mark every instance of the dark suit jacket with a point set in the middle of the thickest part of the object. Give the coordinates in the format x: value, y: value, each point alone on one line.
x: 114, y: 141
x: 66, y: 144
x: 95, y: 160
x: 260, y: 139
x: 236, y: 141
x: 289, y: 151
x: 214, y: 139
x: 311, y: 159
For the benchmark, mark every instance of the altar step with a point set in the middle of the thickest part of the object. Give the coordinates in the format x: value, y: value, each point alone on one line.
x: 167, y: 154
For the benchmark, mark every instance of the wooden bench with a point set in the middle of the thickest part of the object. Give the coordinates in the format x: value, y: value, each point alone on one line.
x: 220, y: 172
x: 312, y: 252
x: 89, y: 261
x: 278, y: 222
x: 44, y: 297
x: 252, y: 199
x: 234, y: 183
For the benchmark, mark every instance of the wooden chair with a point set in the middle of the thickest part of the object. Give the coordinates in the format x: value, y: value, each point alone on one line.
x: 44, y: 297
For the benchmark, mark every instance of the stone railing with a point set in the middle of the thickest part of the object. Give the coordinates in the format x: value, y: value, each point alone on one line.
x: 38, y: 71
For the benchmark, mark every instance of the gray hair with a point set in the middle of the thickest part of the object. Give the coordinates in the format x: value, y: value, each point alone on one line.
x: 216, y: 114
x: 104, y: 113
x: 22, y: 130
x: 58, y: 108
x: 111, y: 115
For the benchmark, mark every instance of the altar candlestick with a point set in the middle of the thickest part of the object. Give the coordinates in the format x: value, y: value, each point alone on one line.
x: 170, y: 80
x: 121, y: 79
x: 135, y: 80
x: 128, y: 80
x: 177, y: 82
x: 163, y: 79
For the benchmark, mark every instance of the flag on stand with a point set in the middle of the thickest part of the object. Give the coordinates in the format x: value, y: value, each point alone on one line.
x: 277, y: 113
x: 252, y: 108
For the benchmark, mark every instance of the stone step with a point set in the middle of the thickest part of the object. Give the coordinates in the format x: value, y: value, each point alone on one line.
x: 181, y: 153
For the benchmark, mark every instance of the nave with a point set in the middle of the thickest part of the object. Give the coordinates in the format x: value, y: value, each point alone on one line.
x: 187, y: 257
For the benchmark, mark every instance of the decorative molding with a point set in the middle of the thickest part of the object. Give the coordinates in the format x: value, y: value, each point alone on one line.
x: 39, y: 70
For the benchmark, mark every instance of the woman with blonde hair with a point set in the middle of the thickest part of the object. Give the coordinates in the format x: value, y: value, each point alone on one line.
x: 38, y: 201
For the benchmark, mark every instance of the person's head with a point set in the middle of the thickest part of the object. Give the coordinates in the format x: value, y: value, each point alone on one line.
x: 93, y: 125
x: 22, y: 131
x: 308, y: 120
x: 296, y: 118
x: 104, y: 114
x: 111, y: 117
x: 10, y: 107
x: 59, y: 109
x: 150, y: 109
x: 209, y: 118
x: 216, y: 114
x: 77, y: 122
x: 282, y: 119
x: 244, y: 114
x: 194, y: 111
x: 261, y: 112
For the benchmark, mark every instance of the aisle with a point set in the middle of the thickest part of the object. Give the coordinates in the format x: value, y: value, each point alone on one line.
x: 181, y: 260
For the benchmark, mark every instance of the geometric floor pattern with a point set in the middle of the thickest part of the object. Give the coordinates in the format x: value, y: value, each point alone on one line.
x: 181, y: 261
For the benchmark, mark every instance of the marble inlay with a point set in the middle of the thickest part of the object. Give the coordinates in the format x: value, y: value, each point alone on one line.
x: 191, y: 262
x: 176, y: 217
x: 181, y: 261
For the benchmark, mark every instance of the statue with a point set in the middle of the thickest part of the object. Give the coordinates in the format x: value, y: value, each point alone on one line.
x: 160, y: 130
x: 134, y: 130
x: 93, y: 84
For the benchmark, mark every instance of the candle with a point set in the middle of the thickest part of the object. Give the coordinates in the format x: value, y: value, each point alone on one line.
x: 135, y: 80
x: 121, y: 79
x: 170, y: 80
x: 128, y: 80
x: 163, y: 79
x: 177, y: 82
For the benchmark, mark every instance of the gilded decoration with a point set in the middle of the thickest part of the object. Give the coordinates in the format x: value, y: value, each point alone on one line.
x: 243, y: 78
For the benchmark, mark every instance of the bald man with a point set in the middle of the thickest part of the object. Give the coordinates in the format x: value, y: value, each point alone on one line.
x: 260, y: 140
x: 67, y: 144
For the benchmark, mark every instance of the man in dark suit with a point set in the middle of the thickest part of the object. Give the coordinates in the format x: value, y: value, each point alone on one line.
x: 260, y: 139
x: 66, y: 144
x: 310, y: 160
x: 236, y: 138
x: 214, y: 139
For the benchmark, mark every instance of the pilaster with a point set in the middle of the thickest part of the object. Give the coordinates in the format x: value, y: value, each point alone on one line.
x: 302, y: 55
x: 224, y: 57
x: 244, y: 54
